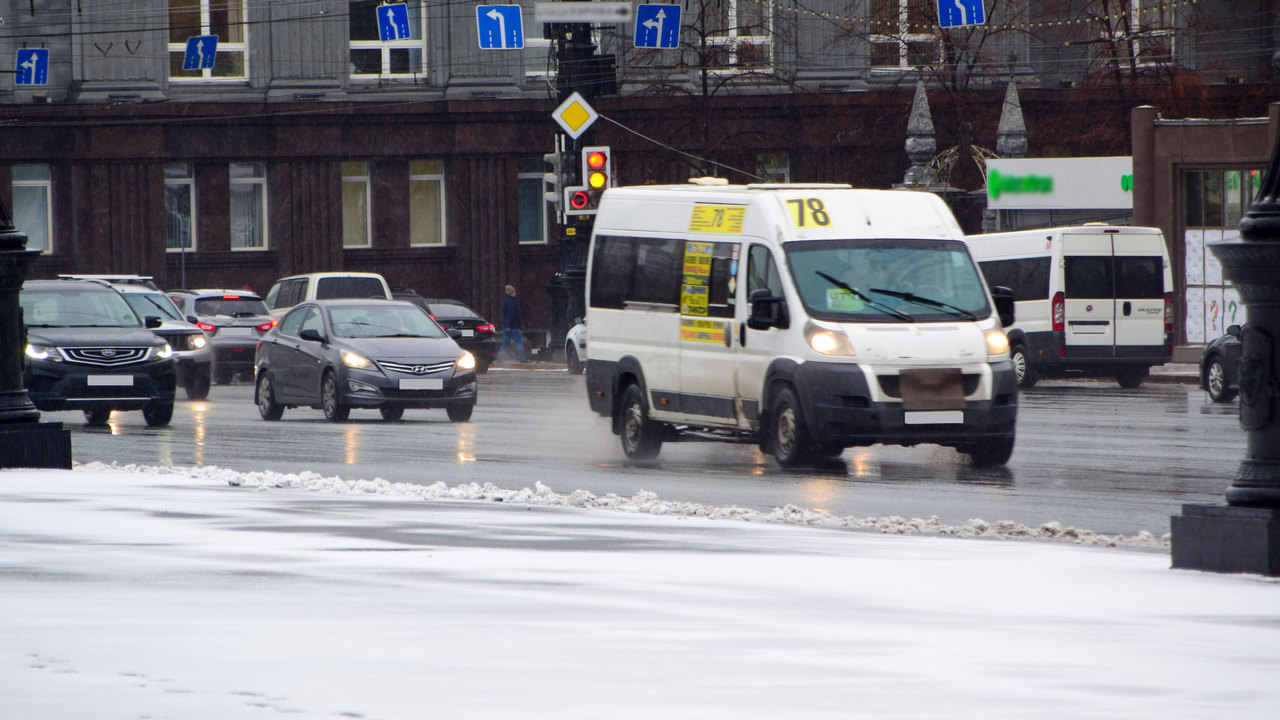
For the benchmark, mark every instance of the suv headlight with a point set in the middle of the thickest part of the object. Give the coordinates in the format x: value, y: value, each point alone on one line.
x: 197, y: 342
x: 43, y: 352
x: 164, y: 352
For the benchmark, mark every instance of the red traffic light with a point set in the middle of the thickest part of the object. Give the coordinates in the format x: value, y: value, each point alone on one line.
x: 579, y: 199
x: 596, y: 160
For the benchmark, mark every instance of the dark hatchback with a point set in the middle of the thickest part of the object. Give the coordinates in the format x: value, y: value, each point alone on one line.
x: 88, y: 350
x: 474, y: 334
x: 337, y: 355
x: 1219, y: 375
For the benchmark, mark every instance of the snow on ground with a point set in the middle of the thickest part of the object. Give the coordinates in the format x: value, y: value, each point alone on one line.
x: 191, y: 593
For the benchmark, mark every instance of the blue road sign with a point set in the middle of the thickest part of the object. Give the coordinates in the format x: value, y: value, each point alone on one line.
x: 500, y: 27
x: 393, y: 22
x: 32, y: 66
x: 658, y: 26
x: 954, y: 13
x: 201, y: 51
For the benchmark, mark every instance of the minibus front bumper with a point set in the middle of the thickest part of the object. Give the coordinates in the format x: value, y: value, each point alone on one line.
x: 840, y: 410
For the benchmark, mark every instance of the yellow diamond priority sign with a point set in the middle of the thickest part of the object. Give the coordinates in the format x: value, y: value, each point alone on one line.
x: 575, y: 115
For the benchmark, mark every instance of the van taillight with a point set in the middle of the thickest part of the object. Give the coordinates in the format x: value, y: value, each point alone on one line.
x: 1168, y: 312
x: 1059, y: 314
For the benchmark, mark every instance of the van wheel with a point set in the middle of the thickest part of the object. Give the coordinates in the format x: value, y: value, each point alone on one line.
x: 989, y: 453
x: 1131, y: 377
x: 1021, y: 368
x: 788, y: 434
x: 641, y: 437
x: 1216, y: 382
x: 571, y: 360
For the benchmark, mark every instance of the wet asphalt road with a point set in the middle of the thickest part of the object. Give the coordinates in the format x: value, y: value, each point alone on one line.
x: 1089, y: 454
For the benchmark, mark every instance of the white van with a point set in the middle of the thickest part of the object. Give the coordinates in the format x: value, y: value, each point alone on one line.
x: 804, y: 318
x: 1092, y: 300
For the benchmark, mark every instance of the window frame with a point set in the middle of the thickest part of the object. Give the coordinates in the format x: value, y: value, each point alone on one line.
x: 387, y: 47
x: 45, y: 184
x: 902, y: 36
x: 188, y: 181
x: 364, y: 181
x: 735, y: 36
x: 258, y: 180
x: 537, y: 179
x: 439, y: 179
x: 206, y: 28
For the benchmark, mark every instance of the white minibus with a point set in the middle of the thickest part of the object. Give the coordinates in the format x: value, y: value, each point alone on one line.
x: 804, y: 318
x: 1092, y: 300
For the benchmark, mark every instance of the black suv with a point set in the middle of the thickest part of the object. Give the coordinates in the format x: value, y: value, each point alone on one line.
x: 86, y: 349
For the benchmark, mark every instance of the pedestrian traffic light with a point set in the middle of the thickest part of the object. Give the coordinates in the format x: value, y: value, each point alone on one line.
x: 597, y: 176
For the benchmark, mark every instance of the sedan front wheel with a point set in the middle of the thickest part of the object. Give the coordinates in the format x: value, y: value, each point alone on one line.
x: 334, y: 410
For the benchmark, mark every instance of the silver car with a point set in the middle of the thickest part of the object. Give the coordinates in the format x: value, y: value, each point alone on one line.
x: 234, y: 319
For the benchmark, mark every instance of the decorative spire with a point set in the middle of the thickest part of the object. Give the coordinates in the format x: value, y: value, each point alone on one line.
x: 1011, y: 135
x: 921, y: 144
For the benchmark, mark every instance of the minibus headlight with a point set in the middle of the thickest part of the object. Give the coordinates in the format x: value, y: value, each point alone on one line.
x: 997, y: 342
x: 826, y: 341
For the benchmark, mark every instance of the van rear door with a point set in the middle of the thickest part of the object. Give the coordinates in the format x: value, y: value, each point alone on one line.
x: 1114, y: 286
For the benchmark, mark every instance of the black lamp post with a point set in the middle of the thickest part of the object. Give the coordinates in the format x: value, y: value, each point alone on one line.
x: 24, y: 440
x: 1244, y: 535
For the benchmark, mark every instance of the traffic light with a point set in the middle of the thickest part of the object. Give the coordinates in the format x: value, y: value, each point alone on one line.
x: 597, y: 175
x: 555, y: 178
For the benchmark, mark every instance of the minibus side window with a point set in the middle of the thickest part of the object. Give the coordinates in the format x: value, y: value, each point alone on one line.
x: 762, y: 272
x: 722, y: 300
x: 630, y: 269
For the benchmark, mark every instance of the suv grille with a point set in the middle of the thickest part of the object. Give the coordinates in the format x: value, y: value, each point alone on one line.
x: 420, y: 369
x: 107, y: 357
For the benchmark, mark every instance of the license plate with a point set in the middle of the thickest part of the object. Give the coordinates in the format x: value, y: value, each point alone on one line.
x: 468, y: 333
x: 110, y: 381
x: 236, y: 331
x: 934, y: 417
x: 422, y: 383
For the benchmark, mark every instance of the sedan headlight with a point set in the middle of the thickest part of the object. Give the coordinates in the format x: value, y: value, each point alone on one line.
x: 43, y: 352
x: 164, y: 352
x: 466, y: 361
x: 355, y: 360
x: 826, y: 341
x: 997, y: 342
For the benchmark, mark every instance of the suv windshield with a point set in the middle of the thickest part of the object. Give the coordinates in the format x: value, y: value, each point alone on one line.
x: 231, y: 305
x: 74, y: 307
x: 152, y: 304
x: 887, y: 280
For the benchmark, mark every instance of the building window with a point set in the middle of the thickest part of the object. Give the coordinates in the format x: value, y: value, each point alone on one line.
x: 224, y: 18
x: 33, y: 205
x: 426, y: 202
x: 355, y: 204
x: 179, y: 207
x: 373, y: 57
x: 773, y: 167
x: 743, y: 29
x: 1144, y: 33
x: 531, y: 200
x: 904, y: 34
x: 248, y: 206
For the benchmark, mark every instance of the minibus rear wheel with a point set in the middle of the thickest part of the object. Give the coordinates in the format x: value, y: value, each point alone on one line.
x: 641, y: 437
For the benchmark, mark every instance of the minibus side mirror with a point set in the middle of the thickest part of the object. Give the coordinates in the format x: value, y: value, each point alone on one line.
x: 1004, y: 304
x: 767, y: 311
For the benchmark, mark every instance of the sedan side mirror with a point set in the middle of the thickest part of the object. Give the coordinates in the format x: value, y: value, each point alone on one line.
x: 1003, y: 297
x: 1233, y: 330
x: 312, y: 335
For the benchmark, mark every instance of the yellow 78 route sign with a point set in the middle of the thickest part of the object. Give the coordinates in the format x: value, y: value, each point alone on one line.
x: 808, y: 212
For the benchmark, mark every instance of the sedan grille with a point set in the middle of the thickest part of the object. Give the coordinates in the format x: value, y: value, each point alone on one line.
x: 107, y: 357
x: 416, y: 369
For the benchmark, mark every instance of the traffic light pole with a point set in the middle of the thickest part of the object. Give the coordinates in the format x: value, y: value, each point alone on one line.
x: 575, y: 72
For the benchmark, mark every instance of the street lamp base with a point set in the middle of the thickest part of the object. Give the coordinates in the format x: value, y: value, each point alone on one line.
x: 1227, y: 539
x: 35, y: 445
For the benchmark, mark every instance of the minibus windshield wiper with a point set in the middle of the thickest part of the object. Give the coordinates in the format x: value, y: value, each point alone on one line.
x: 861, y: 296
x: 912, y: 297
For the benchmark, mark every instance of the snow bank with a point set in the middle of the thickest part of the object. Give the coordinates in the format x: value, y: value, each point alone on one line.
x: 643, y: 502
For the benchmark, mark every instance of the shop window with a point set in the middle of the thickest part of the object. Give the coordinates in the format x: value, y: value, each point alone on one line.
x: 248, y: 206
x: 371, y: 56
x: 179, y: 207
x: 355, y: 205
x: 904, y: 34
x: 531, y: 200
x: 33, y: 205
x: 426, y: 202
x: 224, y: 18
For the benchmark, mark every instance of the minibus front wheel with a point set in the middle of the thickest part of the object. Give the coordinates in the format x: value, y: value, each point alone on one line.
x: 788, y: 434
x: 641, y: 437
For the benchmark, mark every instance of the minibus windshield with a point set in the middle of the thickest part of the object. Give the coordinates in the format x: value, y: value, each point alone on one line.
x: 887, y: 280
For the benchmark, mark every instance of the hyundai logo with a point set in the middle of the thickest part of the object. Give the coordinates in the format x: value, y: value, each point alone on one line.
x: 421, y: 369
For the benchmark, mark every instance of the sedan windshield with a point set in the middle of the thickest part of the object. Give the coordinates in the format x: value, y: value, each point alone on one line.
x: 365, y: 321
x: 887, y: 280
x: 76, y: 308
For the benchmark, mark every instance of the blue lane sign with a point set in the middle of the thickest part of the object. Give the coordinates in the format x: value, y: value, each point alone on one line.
x: 955, y: 13
x: 658, y: 26
x: 201, y: 51
x: 500, y: 27
x: 32, y: 66
x: 393, y: 22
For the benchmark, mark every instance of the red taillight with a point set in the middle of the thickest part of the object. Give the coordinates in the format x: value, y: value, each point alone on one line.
x: 487, y: 327
x: 266, y: 326
x: 207, y: 327
x: 1059, y: 314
